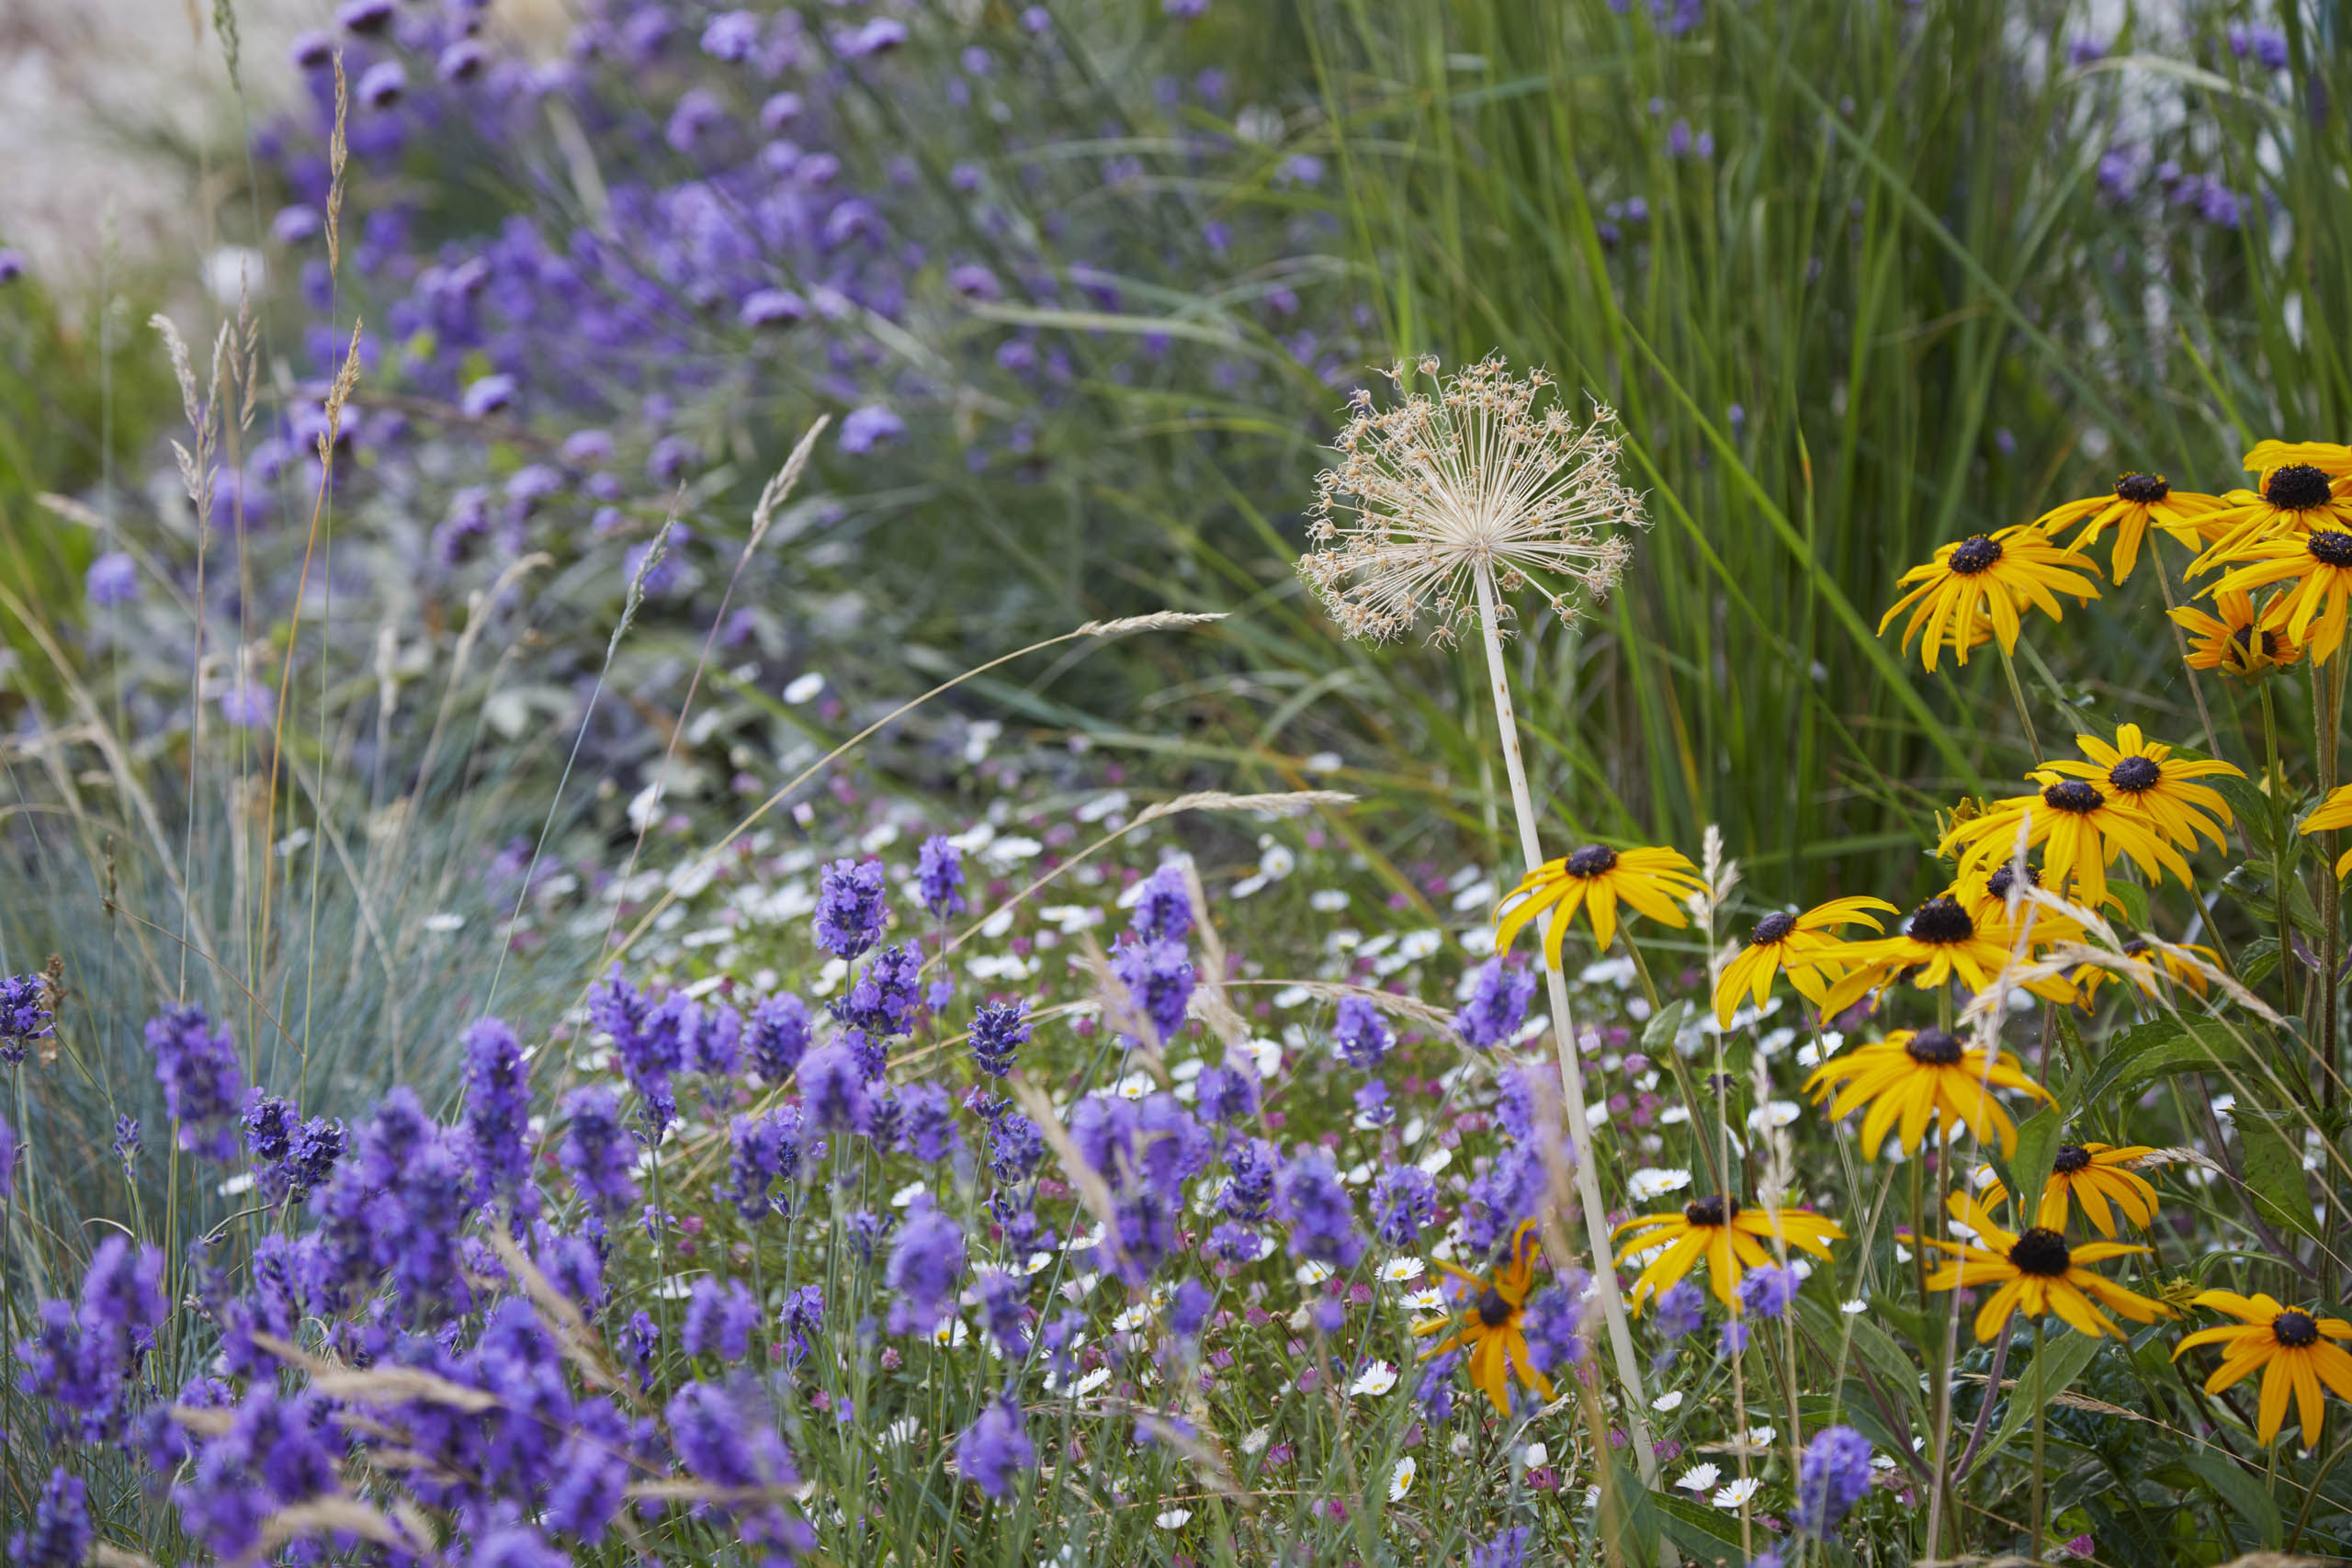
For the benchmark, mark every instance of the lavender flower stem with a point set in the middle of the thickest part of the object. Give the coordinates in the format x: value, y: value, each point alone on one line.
x: 1596, y: 1212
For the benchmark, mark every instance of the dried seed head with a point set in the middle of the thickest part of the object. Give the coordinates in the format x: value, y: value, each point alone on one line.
x: 1472, y: 477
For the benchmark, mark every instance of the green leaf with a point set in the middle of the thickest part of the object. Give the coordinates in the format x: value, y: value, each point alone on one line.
x: 2242, y: 1492
x: 1855, y: 1407
x: 1915, y: 1325
x: 1895, y: 1372
x: 1709, y: 1535
x: 2028, y: 1169
x: 2252, y: 809
x: 2064, y: 1358
x: 2273, y: 1167
x: 2135, y: 899
x: 1657, y: 1035
x: 2141, y: 1054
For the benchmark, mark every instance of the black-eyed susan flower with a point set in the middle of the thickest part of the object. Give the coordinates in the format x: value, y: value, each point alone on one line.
x: 1597, y: 878
x: 2238, y: 639
x: 2155, y: 963
x: 1799, y: 945
x: 2329, y: 458
x: 2317, y: 566
x: 1491, y: 1327
x: 2291, y: 497
x: 1941, y: 941
x: 1731, y: 1239
x: 2142, y: 775
x: 1915, y: 1078
x: 2038, y: 1273
x: 2334, y: 812
x: 2084, y: 826
x: 2137, y: 500
x: 2096, y: 1177
x: 2289, y: 1345
x: 1986, y: 579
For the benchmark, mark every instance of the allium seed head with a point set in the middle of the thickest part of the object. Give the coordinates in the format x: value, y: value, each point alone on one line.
x: 1472, y: 478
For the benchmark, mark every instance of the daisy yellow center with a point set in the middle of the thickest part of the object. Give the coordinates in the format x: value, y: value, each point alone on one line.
x: 2075, y: 796
x: 1972, y: 555
x: 1773, y: 928
x: 1716, y: 1210
x: 2141, y: 487
x: 1593, y: 860
x: 1934, y: 1048
x: 1939, y: 922
x: 2295, y: 1328
x: 1493, y: 1310
x: 2298, y: 487
x: 2330, y: 548
x: 2041, y: 1252
x: 2071, y: 1158
x: 2133, y: 774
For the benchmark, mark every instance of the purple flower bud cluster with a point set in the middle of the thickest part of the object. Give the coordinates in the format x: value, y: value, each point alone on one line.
x: 1159, y: 976
x: 995, y: 1448
x: 850, y: 909
x: 1768, y: 1291
x: 939, y: 877
x: 721, y: 1320
x: 596, y: 1151
x: 81, y: 1354
x: 885, y: 996
x: 61, y: 1531
x: 204, y: 1087
x: 498, y: 1111
x: 778, y: 1037
x: 1832, y: 1475
x: 764, y: 1161
x: 1508, y: 1191
x: 1404, y: 1204
x: 1499, y: 995
x: 23, y: 1017
x: 1311, y: 1201
x: 1163, y: 910
x: 291, y: 1157
x: 998, y: 1030
x: 1360, y: 1034
x: 927, y: 1262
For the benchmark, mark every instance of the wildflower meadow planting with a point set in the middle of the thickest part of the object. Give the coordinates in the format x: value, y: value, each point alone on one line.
x: 1501, y: 782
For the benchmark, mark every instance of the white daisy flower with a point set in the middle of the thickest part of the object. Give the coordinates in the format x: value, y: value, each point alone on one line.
x: 1699, y: 1478
x: 1537, y: 1456
x: 1172, y: 1518
x: 1091, y: 1381
x: 1374, y: 1379
x: 1396, y: 1271
x: 1737, y: 1494
x: 1651, y: 1182
x: 1761, y: 1436
x: 1429, y: 1298
x: 1312, y: 1272
x: 1400, y: 1480
x: 1670, y: 1400
x: 1854, y: 1308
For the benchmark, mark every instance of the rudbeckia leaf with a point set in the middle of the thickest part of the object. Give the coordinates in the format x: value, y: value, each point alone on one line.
x: 2151, y: 1051
x: 2273, y: 1167
x: 2028, y: 1169
x: 1897, y: 1375
x: 2064, y: 1358
x: 2135, y: 899
x: 1657, y: 1035
x: 1704, y: 1532
x: 2220, y: 1476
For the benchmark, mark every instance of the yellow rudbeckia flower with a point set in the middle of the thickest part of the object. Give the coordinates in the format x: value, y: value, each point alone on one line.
x: 1597, y: 879
x: 1800, y: 945
x: 2290, y: 1346
x: 1986, y: 579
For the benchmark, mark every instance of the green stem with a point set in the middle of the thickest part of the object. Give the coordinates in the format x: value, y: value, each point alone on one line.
x: 2276, y: 793
x: 2040, y: 1426
x: 2016, y: 696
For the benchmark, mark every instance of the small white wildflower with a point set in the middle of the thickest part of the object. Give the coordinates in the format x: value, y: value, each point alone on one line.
x: 1134, y: 1086
x: 1670, y: 1400
x: 1311, y: 1273
x: 1374, y: 1379
x: 952, y: 1333
x: 907, y: 1194
x: 1855, y: 1307
x: 1172, y: 1518
x: 1396, y: 1271
x: 803, y: 687
x: 1429, y: 1298
x: 1133, y: 1318
x: 1778, y: 1114
x: 444, y: 923
x: 1092, y: 1238
x: 1436, y: 1160
x: 1276, y: 861
x: 1421, y: 944
x: 1328, y: 900
x: 1537, y: 1456
x: 1699, y: 1478
x: 1091, y: 1381
x: 1651, y: 1182
x: 1400, y: 1480
x: 1761, y: 1436
x: 1737, y: 1494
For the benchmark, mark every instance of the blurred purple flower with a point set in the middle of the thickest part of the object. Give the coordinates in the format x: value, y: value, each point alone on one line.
x: 994, y: 1448
x: 487, y: 395
x: 731, y: 36
x: 204, y: 1086
x: 869, y: 427
x: 382, y: 84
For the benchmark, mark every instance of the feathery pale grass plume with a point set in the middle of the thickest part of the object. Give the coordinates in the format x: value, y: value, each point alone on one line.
x: 1473, y: 479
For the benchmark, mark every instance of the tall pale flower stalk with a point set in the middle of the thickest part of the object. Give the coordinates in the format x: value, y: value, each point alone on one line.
x: 1441, y: 505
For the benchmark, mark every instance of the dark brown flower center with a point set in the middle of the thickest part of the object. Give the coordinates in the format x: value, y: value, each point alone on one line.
x: 2298, y: 487
x: 2042, y: 1253
x: 1934, y: 1048
x: 2133, y: 774
x: 1591, y: 861
x: 1939, y: 922
x: 2141, y: 487
x: 1773, y: 928
x: 2330, y: 548
x: 1493, y: 1310
x: 2075, y: 795
x: 2070, y: 1157
x: 2001, y: 881
x: 1712, y: 1210
x: 2295, y: 1328
x: 1972, y: 555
